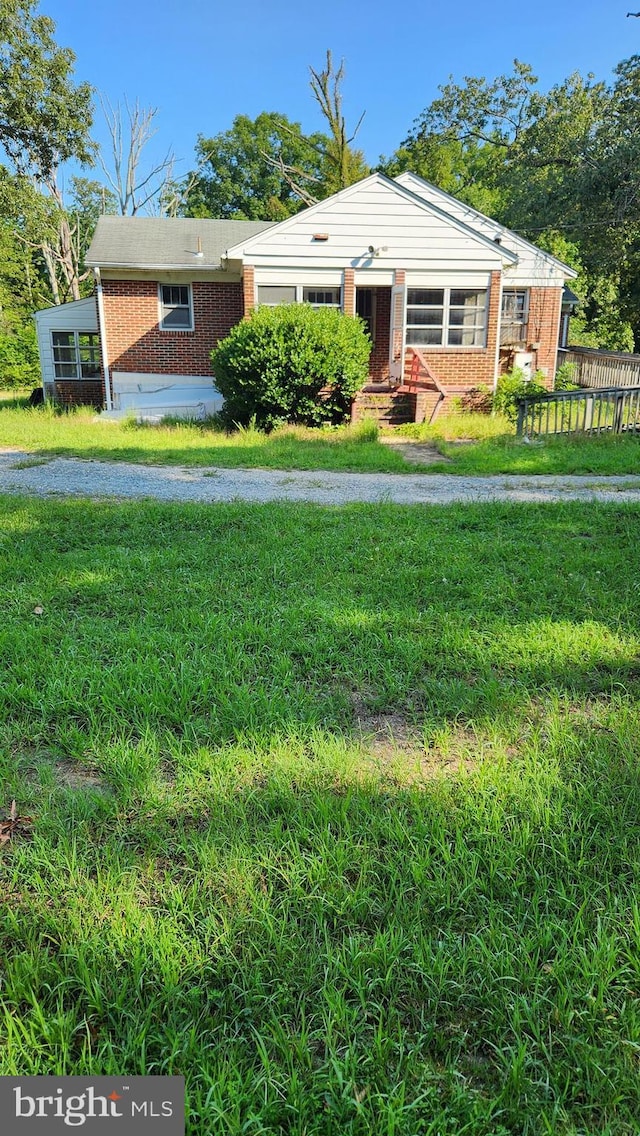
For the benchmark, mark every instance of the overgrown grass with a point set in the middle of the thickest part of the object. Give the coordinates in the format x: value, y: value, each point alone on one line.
x: 335, y: 811
x: 493, y: 448
x: 78, y: 433
x: 474, y: 443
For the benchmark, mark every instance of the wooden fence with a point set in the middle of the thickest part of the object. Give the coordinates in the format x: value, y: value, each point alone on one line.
x: 599, y: 369
x: 608, y: 411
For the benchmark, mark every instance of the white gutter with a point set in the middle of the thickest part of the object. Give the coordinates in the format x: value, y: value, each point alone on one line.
x: 103, y: 340
x: 209, y: 267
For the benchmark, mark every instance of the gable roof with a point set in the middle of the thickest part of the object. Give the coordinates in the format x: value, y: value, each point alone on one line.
x: 474, y: 217
x: 243, y: 246
x: 166, y: 242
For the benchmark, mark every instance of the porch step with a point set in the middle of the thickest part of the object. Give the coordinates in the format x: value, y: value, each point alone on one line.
x: 388, y: 408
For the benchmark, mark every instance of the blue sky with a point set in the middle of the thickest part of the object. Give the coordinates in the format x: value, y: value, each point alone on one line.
x: 201, y: 63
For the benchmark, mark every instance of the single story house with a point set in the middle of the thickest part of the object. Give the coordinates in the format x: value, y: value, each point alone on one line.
x: 450, y: 299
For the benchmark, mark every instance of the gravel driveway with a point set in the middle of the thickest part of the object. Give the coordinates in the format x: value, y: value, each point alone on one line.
x: 32, y: 474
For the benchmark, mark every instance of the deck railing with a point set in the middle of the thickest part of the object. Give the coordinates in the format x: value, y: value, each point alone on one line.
x: 612, y: 410
x: 600, y: 369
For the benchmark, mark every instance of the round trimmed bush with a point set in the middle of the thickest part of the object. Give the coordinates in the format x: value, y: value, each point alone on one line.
x: 291, y: 363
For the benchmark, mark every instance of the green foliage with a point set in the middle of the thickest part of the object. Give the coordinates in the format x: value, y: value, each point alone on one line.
x: 235, y: 179
x: 44, y: 116
x: 514, y: 386
x: 275, y: 365
x: 565, y: 377
x: 19, y: 360
x: 366, y: 430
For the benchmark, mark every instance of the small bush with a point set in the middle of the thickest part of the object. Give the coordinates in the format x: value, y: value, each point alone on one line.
x: 566, y: 378
x: 514, y: 386
x: 291, y: 364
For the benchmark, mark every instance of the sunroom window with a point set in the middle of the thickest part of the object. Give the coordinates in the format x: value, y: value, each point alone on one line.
x: 76, y: 354
x: 270, y: 295
x: 176, y: 312
x: 321, y: 297
x: 446, y: 317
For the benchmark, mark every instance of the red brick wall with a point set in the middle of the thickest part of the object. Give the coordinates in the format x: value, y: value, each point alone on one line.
x: 249, y: 288
x: 543, y: 328
x: 349, y: 292
x: 136, y: 343
x: 79, y: 392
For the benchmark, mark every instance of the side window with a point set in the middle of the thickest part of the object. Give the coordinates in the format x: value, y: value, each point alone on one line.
x: 515, y: 315
x: 76, y: 354
x: 176, y: 308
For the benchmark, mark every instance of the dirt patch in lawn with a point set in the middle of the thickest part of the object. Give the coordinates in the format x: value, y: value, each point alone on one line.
x: 394, y: 746
x: 416, y: 453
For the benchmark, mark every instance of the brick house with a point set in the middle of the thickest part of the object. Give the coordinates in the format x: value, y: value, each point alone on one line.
x: 450, y: 299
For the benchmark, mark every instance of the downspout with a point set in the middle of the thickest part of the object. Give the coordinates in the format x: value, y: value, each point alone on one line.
x: 496, y: 365
x: 103, y: 340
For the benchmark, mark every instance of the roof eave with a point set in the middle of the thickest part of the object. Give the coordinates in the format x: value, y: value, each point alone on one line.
x: 138, y: 267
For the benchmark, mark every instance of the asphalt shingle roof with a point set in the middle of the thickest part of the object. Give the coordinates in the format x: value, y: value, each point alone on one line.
x: 166, y: 242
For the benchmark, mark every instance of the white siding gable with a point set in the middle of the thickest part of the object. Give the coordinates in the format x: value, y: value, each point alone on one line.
x: 403, y: 232
x: 535, y: 268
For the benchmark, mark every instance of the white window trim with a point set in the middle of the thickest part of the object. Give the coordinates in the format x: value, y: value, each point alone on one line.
x: 78, y: 377
x: 175, y: 330
x: 300, y: 290
x: 443, y: 346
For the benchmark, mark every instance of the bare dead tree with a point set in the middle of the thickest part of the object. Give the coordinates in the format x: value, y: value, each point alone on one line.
x: 345, y: 164
x: 294, y: 177
x: 130, y: 132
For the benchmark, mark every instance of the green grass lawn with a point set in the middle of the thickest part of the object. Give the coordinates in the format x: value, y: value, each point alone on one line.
x: 334, y: 811
x: 474, y: 444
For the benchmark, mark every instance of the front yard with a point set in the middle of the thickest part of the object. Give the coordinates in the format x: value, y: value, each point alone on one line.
x: 335, y: 811
x: 471, y: 443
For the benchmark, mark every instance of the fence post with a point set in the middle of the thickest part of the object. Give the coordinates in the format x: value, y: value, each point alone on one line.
x: 617, y: 419
x: 521, y: 416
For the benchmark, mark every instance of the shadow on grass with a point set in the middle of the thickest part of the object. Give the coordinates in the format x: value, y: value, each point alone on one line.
x: 289, y: 938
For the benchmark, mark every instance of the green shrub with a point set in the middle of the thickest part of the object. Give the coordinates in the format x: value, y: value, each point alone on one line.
x: 566, y: 378
x: 273, y: 366
x: 514, y: 386
x: 19, y: 362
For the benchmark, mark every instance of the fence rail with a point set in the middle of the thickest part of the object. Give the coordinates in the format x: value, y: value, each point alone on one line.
x: 602, y: 369
x: 607, y: 411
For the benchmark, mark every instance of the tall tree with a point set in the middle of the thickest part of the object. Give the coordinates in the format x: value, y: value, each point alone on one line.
x: 45, y: 119
x: 246, y: 172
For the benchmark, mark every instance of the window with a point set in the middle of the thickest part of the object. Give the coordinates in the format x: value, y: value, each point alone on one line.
x: 175, y: 307
x: 446, y: 317
x: 321, y: 297
x: 270, y: 295
x: 76, y: 354
x: 273, y: 294
x: 515, y: 315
